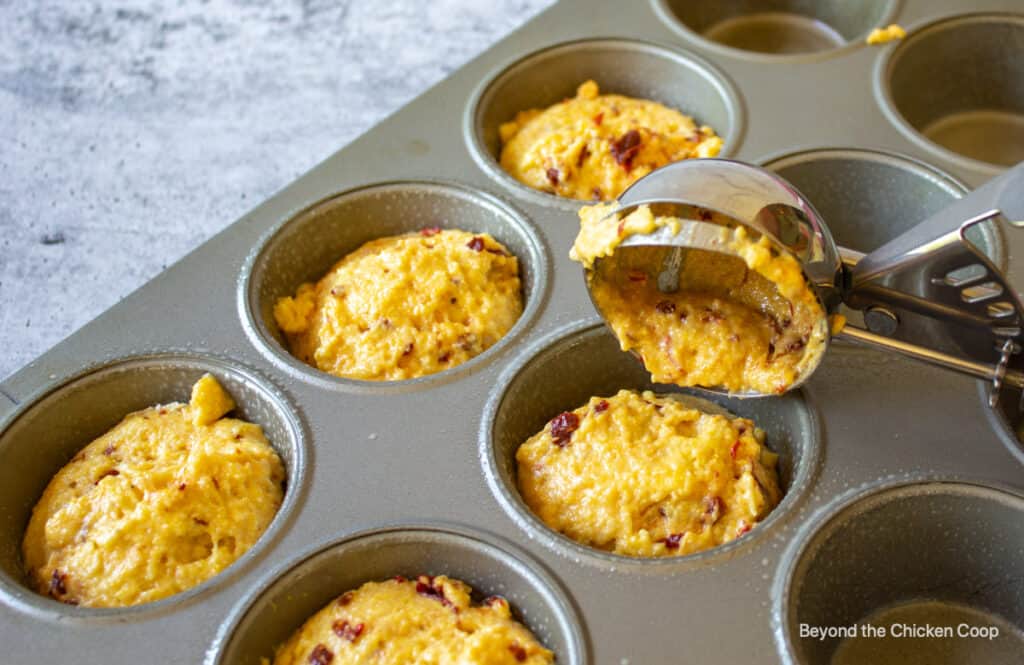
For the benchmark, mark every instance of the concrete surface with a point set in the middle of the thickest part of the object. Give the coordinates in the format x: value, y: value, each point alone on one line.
x: 132, y: 130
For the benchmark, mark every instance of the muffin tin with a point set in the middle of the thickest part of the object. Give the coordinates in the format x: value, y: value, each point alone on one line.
x: 901, y: 484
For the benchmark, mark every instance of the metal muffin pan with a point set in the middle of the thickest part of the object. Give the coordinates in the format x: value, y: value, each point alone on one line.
x: 293, y: 595
x: 1006, y: 424
x: 546, y: 77
x: 428, y: 461
x: 559, y: 374
x: 307, y: 245
x: 54, y: 427
x: 777, y: 29
x: 967, y: 114
x: 967, y: 572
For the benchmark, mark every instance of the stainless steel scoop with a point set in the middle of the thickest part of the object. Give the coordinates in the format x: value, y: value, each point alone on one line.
x: 932, y: 269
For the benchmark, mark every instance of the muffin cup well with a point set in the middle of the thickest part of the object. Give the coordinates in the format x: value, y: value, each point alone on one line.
x: 674, y: 78
x: 869, y: 197
x: 774, y: 28
x: 307, y: 245
x: 41, y: 438
x: 965, y: 105
x: 567, y: 368
x: 288, y: 597
x: 894, y: 550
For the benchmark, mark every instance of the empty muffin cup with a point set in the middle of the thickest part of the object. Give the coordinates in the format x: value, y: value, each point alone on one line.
x: 566, y: 369
x: 285, y: 600
x: 777, y: 27
x: 905, y: 557
x: 956, y: 88
x: 42, y: 437
x: 676, y: 79
x: 306, y: 246
x: 869, y: 197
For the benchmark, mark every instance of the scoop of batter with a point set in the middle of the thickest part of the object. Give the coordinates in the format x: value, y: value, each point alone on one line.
x: 646, y: 475
x: 748, y: 322
x: 165, y: 500
x: 405, y: 306
x: 428, y: 620
x: 594, y: 146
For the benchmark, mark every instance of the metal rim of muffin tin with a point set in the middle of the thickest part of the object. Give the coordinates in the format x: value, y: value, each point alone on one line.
x: 887, y: 10
x: 918, y: 32
x: 295, y: 454
x: 505, y: 225
x: 802, y: 428
x: 835, y: 520
x: 560, y: 622
x: 485, y: 146
x: 1001, y: 426
x: 558, y: 313
x: 917, y: 169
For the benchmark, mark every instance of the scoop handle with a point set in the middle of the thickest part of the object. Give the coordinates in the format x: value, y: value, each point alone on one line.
x: 992, y: 373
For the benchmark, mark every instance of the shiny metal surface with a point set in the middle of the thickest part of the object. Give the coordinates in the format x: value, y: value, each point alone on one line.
x: 747, y: 195
x: 989, y: 372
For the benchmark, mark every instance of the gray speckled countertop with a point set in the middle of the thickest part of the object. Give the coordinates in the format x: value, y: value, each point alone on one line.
x: 132, y: 130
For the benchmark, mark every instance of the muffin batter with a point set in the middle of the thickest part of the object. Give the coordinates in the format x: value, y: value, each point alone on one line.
x: 405, y: 306
x: 647, y: 475
x: 748, y: 322
x: 887, y: 34
x: 428, y: 620
x: 594, y: 146
x: 165, y: 500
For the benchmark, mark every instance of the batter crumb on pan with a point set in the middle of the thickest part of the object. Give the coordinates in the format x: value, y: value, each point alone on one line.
x: 165, y: 500
x: 405, y: 306
x: 426, y: 620
x: 887, y: 34
x: 593, y: 146
x: 647, y: 475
